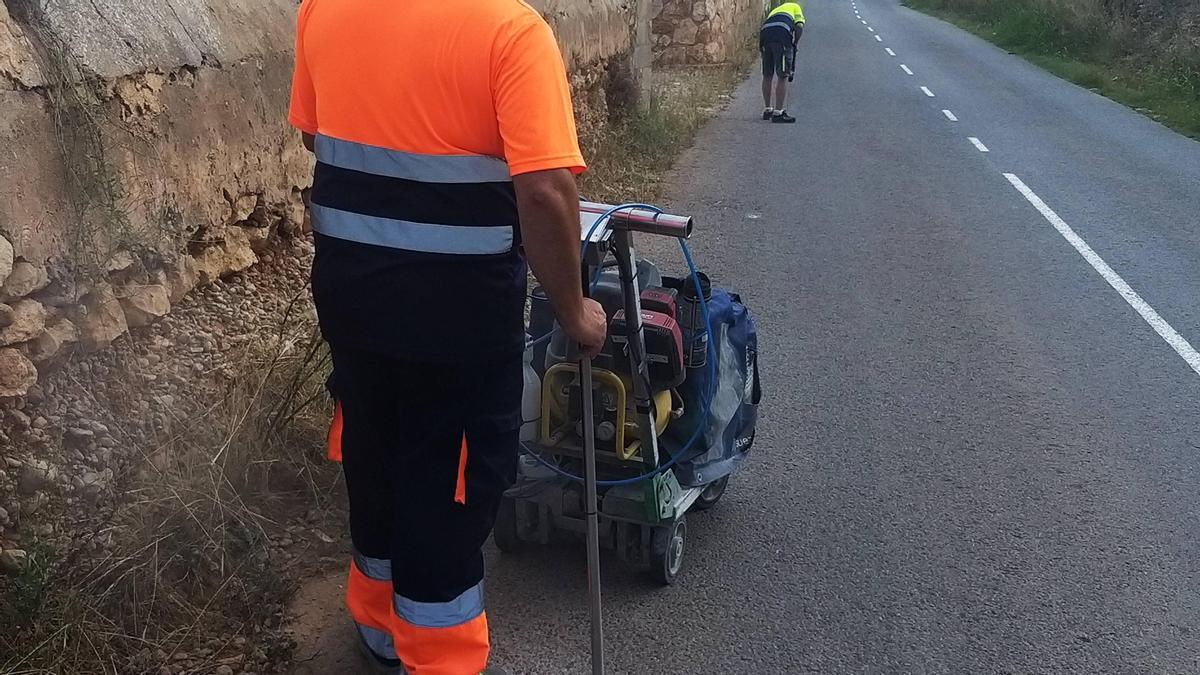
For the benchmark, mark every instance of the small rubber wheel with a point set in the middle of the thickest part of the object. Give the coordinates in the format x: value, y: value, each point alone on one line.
x: 712, y: 494
x: 506, y: 533
x: 666, y: 551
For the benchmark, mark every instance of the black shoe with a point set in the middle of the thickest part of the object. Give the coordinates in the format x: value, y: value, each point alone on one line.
x: 782, y: 117
x: 768, y: 113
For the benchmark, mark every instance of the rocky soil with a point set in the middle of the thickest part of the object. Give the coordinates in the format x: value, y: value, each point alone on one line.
x: 110, y: 434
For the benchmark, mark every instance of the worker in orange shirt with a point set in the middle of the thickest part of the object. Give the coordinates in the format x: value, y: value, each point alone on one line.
x: 445, y: 157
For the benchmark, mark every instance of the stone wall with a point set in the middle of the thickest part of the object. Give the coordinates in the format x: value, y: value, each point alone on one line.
x: 703, y: 31
x: 146, y: 152
x: 598, y: 40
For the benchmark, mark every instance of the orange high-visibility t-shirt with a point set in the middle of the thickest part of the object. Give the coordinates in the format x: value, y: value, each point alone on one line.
x: 423, y: 110
x: 440, y: 77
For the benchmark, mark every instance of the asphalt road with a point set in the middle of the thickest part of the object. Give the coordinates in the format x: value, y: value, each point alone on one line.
x: 975, y: 454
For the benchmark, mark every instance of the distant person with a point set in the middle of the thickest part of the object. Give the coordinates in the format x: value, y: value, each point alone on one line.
x: 777, y: 42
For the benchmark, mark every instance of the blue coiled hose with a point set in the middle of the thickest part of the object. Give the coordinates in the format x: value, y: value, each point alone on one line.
x: 712, y: 361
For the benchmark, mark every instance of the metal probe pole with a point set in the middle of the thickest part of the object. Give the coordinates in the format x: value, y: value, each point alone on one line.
x: 591, y: 505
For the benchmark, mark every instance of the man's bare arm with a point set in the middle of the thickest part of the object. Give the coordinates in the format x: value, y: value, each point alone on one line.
x: 548, y: 205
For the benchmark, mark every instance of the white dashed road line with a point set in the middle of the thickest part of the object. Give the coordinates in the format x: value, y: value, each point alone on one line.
x: 1159, y: 324
x: 864, y: 22
x: 1168, y: 333
x: 870, y: 29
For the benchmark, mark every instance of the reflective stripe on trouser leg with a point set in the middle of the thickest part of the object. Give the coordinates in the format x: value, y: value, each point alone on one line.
x: 404, y: 424
x: 369, y: 599
x: 442, y: 638
x: 429, y: 638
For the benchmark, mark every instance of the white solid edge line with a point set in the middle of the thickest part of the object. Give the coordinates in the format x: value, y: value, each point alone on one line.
x: 879, y: 39
x: 977, y: 143
x: 949, y: 115
x: 1159, y: 324
x: 927, y: 92
x: 889, y: 51
x: 906, y: 69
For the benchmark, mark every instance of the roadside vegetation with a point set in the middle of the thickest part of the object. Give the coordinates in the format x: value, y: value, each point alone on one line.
x: 180, y: 556
x: 182, y: 559
x: 628, y: 159
x: 1143, y: 53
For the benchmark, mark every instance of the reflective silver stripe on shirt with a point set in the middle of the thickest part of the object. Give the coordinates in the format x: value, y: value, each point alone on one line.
x: 781, y: 24
x: 411, y: 166
x: 458, y: 611
x: 377, y: 641
x: 410, y: 236
x: 377, y: 569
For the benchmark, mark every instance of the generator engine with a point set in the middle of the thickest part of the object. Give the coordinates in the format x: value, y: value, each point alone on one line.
x: 617, y: 434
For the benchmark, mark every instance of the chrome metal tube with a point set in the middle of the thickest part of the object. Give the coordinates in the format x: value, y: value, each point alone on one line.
x: 643, y: 220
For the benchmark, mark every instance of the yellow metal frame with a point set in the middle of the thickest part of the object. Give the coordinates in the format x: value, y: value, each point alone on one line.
x: 550, y: 400
x: 624, y: 428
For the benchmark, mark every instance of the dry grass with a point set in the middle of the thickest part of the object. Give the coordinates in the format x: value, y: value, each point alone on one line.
x: 188, y: 566
x: 180, y: 574
x: 628, y: 159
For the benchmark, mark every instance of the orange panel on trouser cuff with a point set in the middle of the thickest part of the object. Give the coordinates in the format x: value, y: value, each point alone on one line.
x: 335, y: 434
x: 460, y: 487
x: 369, y: 600
x: 457, y: 650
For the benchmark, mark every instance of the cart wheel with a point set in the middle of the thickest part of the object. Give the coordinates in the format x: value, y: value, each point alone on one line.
x: 506, y: 534
x: 666, y: 551
x: 712, y: 494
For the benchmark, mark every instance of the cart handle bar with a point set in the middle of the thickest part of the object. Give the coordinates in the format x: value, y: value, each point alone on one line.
x: 642, y: 220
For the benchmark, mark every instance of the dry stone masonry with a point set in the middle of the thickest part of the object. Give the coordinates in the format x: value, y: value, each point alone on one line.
x: 149, y: 148
x: 703, y: 31
x: 148, y: 143
x: 154, y: 230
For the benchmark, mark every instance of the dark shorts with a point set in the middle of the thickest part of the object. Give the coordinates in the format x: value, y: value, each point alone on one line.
x: 778, y: 58
x: 403, y: 427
